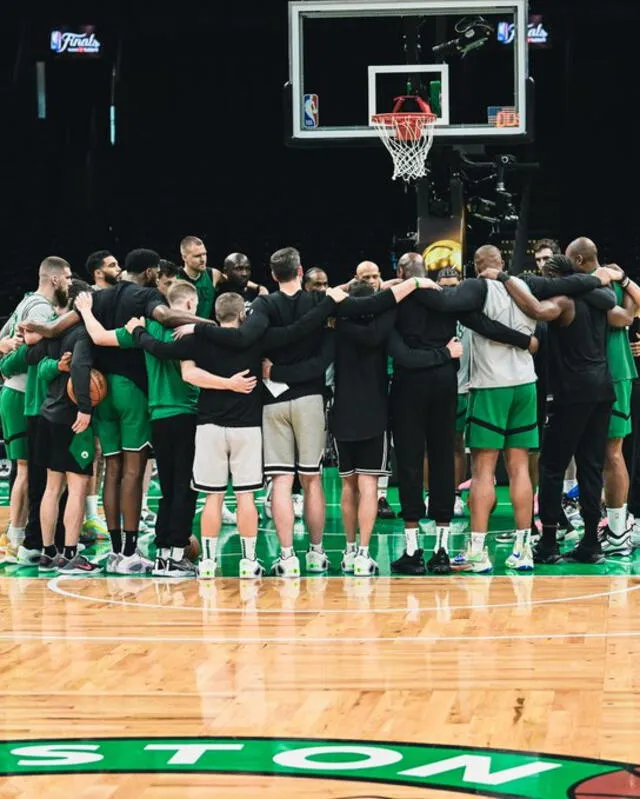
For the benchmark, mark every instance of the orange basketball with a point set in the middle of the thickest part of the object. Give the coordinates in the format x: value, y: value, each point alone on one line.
x: 615, y: 785
x: 97, y: 388
x: 192, y: 551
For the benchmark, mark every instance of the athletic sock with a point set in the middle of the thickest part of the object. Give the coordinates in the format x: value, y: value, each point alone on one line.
x: 316, y: 548
x: 51, y: 551
x: 442, y: 538
x: 351, y: 546
x: 209, y: 546
x: 15, y: 535
x: 523, y: 538
x: 91, y: 505
x: 363, y: 552
x: 617, y: 519
x: 130, y: 542
x: 248, y: 544
x: 116, y: 540
x: 567, y: 485
x: 286, y: 552
x: 477, y: 542
x: 411, y: 538
x: 70, y: 552
x: 383, y: 484
x: 164, y: 553
x: 177, y: 554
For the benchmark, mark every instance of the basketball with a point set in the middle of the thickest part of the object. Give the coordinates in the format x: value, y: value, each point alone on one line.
x: 97, y: 388
x: 616, y: 785
x: 192, y: 551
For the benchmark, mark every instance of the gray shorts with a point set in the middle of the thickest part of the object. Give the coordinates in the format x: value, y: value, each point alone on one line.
x: 223, y: 452
x: 294, y: 436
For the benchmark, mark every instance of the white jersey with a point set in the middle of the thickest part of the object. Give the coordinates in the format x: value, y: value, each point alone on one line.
x: 495, y: 365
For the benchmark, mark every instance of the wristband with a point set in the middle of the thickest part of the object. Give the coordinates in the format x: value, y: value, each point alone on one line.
x: 417, y: 282
x: 503, y: 277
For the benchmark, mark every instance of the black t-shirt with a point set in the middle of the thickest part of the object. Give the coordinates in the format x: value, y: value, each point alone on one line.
x: 578, y: 369
x: 57, y: 407
x: 215, y: 406
x: 360, y: 404
x: 248, y: 293
x: 113, y: 308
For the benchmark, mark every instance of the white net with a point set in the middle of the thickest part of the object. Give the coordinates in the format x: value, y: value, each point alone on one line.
x: 408, y: 138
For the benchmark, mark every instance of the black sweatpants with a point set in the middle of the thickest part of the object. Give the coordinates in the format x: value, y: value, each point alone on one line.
x: 578, y: 429
x: 37, y: 476
x: 174, y: 446
x: 423, y: 409
x: 631, y: 451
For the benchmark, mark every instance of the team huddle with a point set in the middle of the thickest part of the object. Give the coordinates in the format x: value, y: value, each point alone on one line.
x: 227, y: 383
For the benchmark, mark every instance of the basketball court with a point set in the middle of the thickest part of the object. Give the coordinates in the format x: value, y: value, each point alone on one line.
x: 509, y: 685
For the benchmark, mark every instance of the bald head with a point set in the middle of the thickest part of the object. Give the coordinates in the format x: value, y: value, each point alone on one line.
x: 487, y: 257
x: 411, y: 264
x: 369, y: 273
x: 237, y: 268
x: 583, y: 253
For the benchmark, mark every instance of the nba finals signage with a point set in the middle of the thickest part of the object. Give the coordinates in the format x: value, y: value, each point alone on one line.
x: 484, y: 772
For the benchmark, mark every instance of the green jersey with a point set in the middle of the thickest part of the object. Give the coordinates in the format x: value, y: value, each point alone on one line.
x: 206, y: 292
x: 169, y: 395
x: 38, y: 377
x: 621, y: 363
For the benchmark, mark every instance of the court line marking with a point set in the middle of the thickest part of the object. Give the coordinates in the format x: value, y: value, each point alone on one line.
x: 301, y: 639
x: 53, y: 585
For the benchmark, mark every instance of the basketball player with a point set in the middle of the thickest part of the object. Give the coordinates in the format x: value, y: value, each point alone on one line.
x: 584, y: 256
x: 315, y: 279
x: 212, y: 463
x: 167, y: 276
x: 543, y: 250
x: 370, y: 273
x: 172, y: 407
x: 631, y: 446
x: 54, y: 280
x: 433, y: 392
x: 122, y: 419
x: 237, y: 273
x: 65, y: 447
x: 103, y: 269
x: 578, y: 418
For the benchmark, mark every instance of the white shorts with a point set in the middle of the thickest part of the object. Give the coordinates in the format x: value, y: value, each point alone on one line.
x: 294, y: 436
x: 223, y: 452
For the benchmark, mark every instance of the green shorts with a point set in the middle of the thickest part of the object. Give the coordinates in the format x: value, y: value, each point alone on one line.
x: 122, y: 418
x: 461, y: 412
x: 620, y: 422
x: 14, y: 424
x: 503, y: 418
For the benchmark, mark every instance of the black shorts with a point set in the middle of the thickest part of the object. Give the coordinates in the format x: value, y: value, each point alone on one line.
x: 53, y: 442
x: 370, y: 456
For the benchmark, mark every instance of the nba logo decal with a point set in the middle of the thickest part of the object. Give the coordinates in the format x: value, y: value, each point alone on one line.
x: 311, y: 111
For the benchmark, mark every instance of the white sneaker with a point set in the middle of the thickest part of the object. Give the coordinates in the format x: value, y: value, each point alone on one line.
x: 207, y: 568
x: 520, y: 561
x: 286, y: 567
x: 133, y: 564
x: 28, y: 557
x: 251, y: 568
x: 228, y: 516
x: 458, y: 506
x: 469, y: 561
x: 635, y: 534
x: 113, y: 558
x: 317, y: 561
x: 298, y: 505
x: 364, y: 566
x: 348, y: 561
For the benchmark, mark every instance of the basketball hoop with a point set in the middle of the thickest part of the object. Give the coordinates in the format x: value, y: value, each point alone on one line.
x: 408, y: 137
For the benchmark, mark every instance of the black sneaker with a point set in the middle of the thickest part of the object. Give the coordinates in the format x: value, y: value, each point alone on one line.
x: 180, y: 568
x: 159, y: 566
x: 439, y: 562
x: 79, y: 565
x: 585, y: 554
x: 385, y: 510
x: 546, y: 556
x: 409, y: 564
x: 46, y: 563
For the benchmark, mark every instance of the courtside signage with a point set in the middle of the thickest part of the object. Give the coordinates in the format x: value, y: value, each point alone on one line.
x: 485, y: 772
